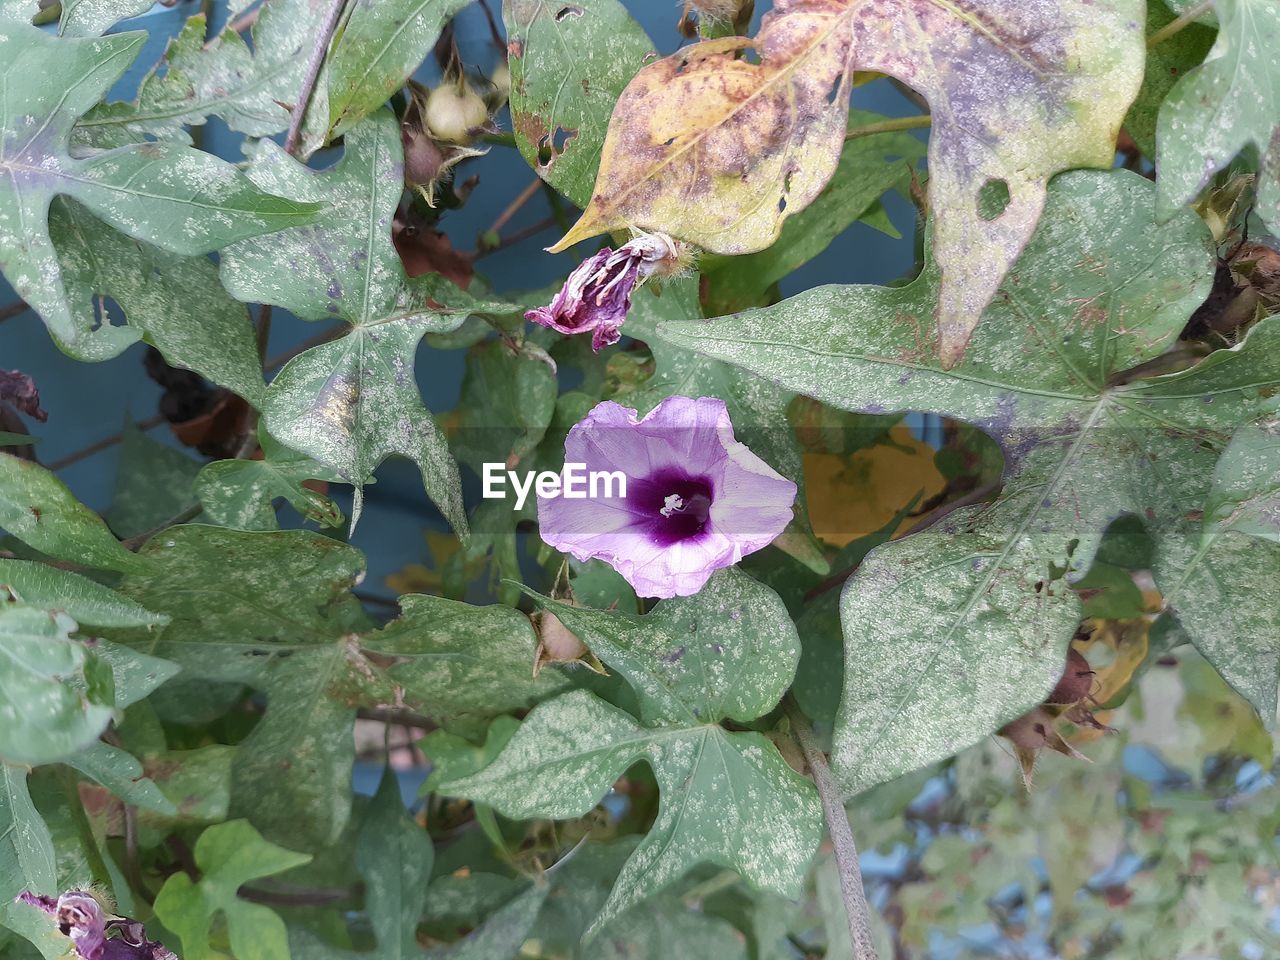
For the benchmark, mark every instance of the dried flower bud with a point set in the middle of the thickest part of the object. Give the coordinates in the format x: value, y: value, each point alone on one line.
x: 597, y: 295
x: 1076, y: 683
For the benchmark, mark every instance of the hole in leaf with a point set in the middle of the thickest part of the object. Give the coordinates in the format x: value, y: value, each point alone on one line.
x: 551, y: 145
x: 993, y: 199
x: 836, y: 84
x: 107, y: 313
x: 568, y: 11
x: 782, y: 204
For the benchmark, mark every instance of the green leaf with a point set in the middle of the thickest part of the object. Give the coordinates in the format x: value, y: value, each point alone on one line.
x: 122, y: 774
x: 242, y: 493
x: 153, y: 484
x: 1167, y: 62
x: 379, y: 47
x: 730, y: 651
x: 250, y: 86
x: 508, y: 399
x: 45, y: 712
x: 350, y: 403
x: 566, y: 74
x: 501, y: 935
x: 663, y: 927
x: 453, y: 757
x: 394, y: 857
x: 27, y: 862
x: 8, y: 439
x: 176, y: 304
x: 869, y: 166
x: 79, y: 18
x: 181, y: 200
x: 82, y: 599
x: 951, y: 632
x: 91, y: 18
x: 136, y: 675
x: 229, y: 855
x: 273, y: 611
x: 270, y: 610
x: 38, y: 509
x: 1228, y: 103
x: 727, y: 798
x: 1245, y: 497
x: 757, y: 410
x: 457, y: 661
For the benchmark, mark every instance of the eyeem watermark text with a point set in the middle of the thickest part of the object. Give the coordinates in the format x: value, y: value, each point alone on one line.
x: 575, y: 482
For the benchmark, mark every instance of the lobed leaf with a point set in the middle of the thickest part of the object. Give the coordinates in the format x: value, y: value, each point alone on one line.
x: 350, y: 403
x: 1226, y: 104
x: 174, y: 303
x: 380, y: 45
x: 726, y: 798
x: 250, y: 86
x: 274, y: 611
x: 181, y: 200
x: 229, y: 855
x: 951, y: 632
x: 568, y: 65
x: 719, y: 150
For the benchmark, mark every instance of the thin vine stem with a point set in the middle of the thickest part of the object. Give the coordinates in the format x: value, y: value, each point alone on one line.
x: 13, y: 310
x: 187, y: 515
x: 846, y: 852
x: 1177, y: 26
x: 314, y: 63
x: 893, y: 125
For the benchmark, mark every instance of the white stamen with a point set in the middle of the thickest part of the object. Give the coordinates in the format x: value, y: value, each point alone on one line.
x: 674, y: 503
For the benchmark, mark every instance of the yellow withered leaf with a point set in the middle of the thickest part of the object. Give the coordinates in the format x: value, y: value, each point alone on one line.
x: 718, y: 149
x: 712, y: 147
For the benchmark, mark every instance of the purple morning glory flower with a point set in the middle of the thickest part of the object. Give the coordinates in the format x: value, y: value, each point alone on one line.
x: 80, y: 917
x: 696, y: 499
x: 597, y: 295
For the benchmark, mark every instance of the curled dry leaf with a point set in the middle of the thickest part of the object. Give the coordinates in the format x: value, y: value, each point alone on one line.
x: 19, y: 390
x: 719, y: 143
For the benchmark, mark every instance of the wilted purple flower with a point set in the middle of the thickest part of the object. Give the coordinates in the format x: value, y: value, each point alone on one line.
x: 80, y: 917
x: 597, y: 295
x: 696, y: 499
x: 18, y: 389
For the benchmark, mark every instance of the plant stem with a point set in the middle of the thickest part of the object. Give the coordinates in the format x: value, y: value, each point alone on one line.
x: 1177, y: 26
x: 514, y: 206
x: 314, y: 62
x: 77, y: 455
x: 92, y: 852
x: 855, y: 898
x: 523, y: 234
x: 890, y: 126
x: 13, y: 310
x: 190, y: 513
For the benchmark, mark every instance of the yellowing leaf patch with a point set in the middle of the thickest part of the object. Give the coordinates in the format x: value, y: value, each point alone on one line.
x: 719, y: 143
